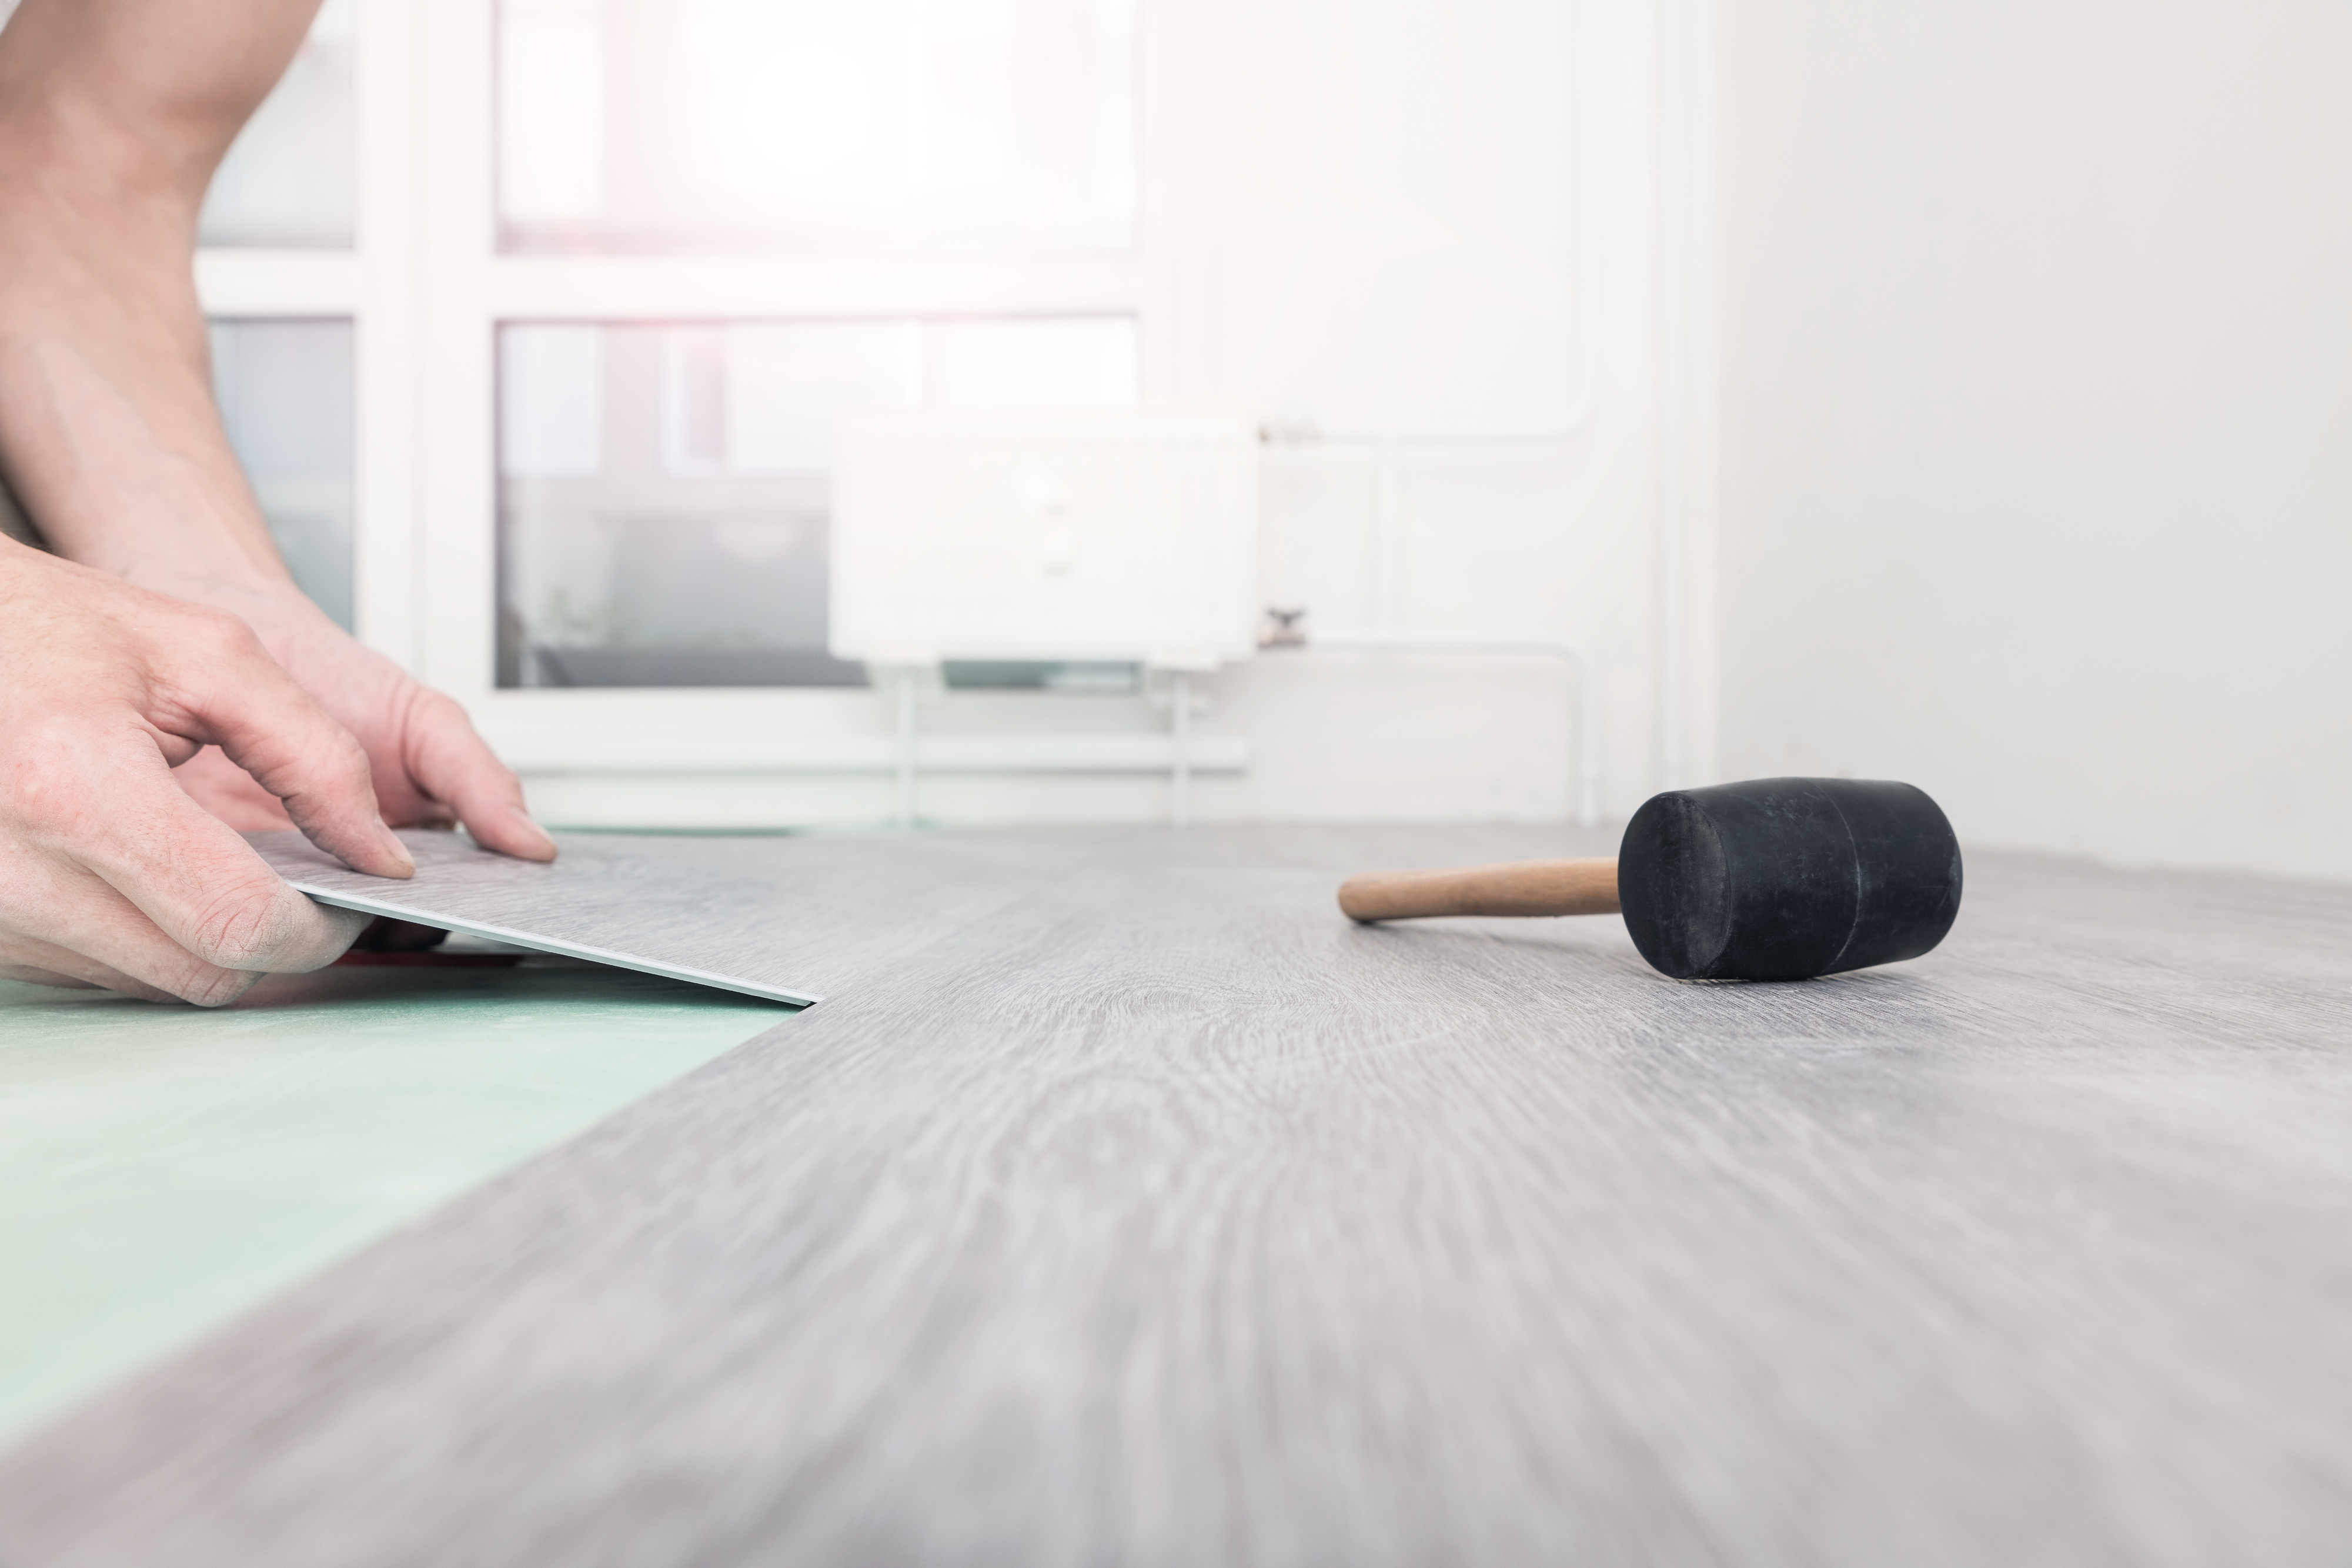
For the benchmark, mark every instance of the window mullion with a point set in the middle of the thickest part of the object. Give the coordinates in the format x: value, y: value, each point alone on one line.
x: 386, y: 305
x: 455, y: 417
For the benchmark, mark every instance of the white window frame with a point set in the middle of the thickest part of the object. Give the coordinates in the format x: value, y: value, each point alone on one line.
x: 426, y: 288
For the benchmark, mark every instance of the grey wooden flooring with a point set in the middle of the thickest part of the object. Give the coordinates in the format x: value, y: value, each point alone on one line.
x: 1158, y: 1216
x: 791, y: 919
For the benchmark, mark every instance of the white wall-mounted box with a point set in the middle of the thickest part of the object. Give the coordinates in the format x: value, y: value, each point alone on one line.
x: 1097, y: 535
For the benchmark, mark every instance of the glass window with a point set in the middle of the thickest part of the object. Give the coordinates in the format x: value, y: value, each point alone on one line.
x: 285, y: 394
x: 680, y: 125
x: 289, y: 180
x: 665, y: 490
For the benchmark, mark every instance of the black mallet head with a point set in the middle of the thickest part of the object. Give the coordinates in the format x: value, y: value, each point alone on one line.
x: 1784, y: 879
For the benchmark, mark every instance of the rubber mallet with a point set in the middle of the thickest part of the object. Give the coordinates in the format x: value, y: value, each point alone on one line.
x: 1776, y: 879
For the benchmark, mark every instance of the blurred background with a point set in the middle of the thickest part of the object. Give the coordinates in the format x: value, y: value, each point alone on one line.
x: 1648, y: 392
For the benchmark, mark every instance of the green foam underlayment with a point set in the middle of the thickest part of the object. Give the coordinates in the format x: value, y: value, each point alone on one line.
x: 162, y: 1169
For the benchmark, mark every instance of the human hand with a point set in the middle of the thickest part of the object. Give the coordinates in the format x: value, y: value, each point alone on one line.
x: 429, y: 768
x: 113, y: 115
x: 111, y: 875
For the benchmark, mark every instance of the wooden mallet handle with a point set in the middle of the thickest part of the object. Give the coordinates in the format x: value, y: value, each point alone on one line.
x: 1522, y: 887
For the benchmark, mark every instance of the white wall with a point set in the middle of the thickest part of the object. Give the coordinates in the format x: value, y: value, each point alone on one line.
x: 2037, y: 415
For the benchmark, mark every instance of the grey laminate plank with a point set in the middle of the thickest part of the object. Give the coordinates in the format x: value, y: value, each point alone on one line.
x: 1161, y: 1216
x: 787, y: 919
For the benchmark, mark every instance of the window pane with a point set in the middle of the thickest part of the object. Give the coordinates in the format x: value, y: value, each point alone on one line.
x: 665, y: 490
x: 998, y: 125
x: 285, y: 392
x: 289, y: 179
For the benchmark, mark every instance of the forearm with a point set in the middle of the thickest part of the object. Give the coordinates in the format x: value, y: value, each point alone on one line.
x: 107, y: 433
x: 113, y: 114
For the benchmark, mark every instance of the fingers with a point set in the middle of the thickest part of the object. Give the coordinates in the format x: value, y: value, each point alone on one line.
x: 452, y: 765
x: 127, y: 955
x: 110, y: 874
x: 137, y: 877
x: 428, y: 764
x: 242, y: 700
x: 228, y: 792
x: 20, y: 973
x: 42, y: 963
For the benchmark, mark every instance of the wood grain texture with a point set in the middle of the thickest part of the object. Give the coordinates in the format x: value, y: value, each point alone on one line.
x: 790, y: 918
x: 1161, y: 1216
x: 1519, y: 888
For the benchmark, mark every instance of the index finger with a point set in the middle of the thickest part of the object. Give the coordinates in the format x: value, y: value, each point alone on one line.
x: 233, y: 693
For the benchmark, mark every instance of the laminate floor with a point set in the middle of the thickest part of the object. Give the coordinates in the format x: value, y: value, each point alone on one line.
x: 1159, y: 1216
x: 784, y: 919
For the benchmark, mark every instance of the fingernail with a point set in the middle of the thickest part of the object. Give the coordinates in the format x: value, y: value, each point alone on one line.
x: 398, y: 851
x: 528, y: 822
